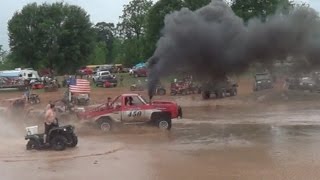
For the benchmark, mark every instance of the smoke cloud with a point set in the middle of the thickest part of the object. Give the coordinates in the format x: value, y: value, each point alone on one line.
x: 213, y: 42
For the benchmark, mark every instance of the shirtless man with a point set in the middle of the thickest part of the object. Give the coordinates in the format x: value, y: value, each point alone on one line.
x: 50, y: 118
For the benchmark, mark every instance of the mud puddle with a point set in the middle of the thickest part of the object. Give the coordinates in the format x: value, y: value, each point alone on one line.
x: 278, y: 142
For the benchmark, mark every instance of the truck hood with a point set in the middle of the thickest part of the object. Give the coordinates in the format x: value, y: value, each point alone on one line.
x: 160, y: 102
x: 164, y: 105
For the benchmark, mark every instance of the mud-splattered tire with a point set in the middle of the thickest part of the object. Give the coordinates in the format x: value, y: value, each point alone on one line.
x: 161, y: 92
x: 205, y: 95
x: 221, y: 94
x: 173, y: 93
x: 38, y: 101
x: 72, y: 141
x: 105, y: 125
x: 59, y: 143
x: 32, y: 144
x: 164, y: 124
x: 233, y: 92
x: 180, y: 112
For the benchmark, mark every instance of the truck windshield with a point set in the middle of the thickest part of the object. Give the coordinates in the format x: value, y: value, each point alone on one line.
x: 143, y: 99
x: 262, y: 77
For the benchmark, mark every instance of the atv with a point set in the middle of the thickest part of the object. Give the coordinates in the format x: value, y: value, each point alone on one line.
x: 58, y: 138
x: 34, y: 99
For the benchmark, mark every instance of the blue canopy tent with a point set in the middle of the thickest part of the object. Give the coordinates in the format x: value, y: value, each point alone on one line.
x: 139, y: 65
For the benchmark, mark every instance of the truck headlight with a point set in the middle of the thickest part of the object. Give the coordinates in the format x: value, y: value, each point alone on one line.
x: 258, y: 82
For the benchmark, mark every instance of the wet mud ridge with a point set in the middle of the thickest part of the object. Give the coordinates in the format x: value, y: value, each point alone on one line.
x: 56, y: 158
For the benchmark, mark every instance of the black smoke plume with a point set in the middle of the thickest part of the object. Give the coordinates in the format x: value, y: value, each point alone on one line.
x: 213, y: 42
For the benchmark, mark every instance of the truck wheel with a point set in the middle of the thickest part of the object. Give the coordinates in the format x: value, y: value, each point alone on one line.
x: 164, y: 124
x: 37, y: 100
x: 179, y: 112
x: 59, y: 143
x: 205, y: 95
x: 173, y: 93
x: 161, y: 92
x: 32, y: 144
x: 199, y: 91
x: 233, y: 92
x: 72, y: 140
x: 221, y: 94
x: 105, y: 125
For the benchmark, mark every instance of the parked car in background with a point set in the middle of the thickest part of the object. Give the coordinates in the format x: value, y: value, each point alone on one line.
x: 103, y: 81
x: 108, y: 67
x: 308, y: 83
x: 85, y: 71
x: 262, y: 81
x: 99, y: 74
x: 140, y: 72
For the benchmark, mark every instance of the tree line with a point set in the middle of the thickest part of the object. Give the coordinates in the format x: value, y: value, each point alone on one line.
x: 62, y: 37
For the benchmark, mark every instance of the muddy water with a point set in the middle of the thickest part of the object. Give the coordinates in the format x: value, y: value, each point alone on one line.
x: 274, y: 142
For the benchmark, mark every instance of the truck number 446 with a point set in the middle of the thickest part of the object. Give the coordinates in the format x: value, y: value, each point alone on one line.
x: 135, y: 114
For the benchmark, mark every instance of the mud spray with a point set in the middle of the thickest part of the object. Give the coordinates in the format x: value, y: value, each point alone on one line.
x: 213, y: 42
x: 11, y: 128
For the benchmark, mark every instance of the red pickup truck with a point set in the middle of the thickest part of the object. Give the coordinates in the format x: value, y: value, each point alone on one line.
x: 132, y: 109
x: 85, y: 71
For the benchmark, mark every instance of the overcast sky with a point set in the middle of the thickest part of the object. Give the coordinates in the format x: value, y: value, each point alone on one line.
x: 99, y: 10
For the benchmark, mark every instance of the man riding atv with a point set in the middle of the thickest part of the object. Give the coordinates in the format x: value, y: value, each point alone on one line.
x: 49, y: 120
x: 55, y: 136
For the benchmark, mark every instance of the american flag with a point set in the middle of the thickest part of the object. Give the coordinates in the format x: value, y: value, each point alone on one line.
x: 80, y: 86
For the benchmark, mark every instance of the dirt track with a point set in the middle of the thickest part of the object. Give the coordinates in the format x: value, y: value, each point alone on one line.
x: 265, y: 135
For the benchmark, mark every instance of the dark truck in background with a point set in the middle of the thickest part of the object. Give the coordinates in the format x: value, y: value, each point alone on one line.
x: 220, y: 88
x: 262, y: 81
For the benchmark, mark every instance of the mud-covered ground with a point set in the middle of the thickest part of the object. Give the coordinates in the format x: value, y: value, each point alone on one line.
x: 272, y: 134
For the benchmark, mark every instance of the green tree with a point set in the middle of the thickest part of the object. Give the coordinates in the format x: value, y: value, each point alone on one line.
x: 57, y: 36
x: 2, y: 54
x: 252, y: 8
x: 106, y: 33
x: 155, y: 22
x: 132, y: 29
x: 118, y: 51
x: 195, y: 4
x: 99, y: 54
x: 6, y: 62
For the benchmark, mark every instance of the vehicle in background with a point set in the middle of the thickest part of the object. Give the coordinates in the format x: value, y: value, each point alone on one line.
x: 220, y: 88
x: 25, y: 74
x: 184, y: 87
x: 308, y: 84
x: 140, y: 72
x: 81, y: 99
x: 159, y: 90
x: 107, y: 67
x: 103, y: 81
x: 99, y: 74
x: 85, y: 71
x: 304, y: 83
x: 262, y: 81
